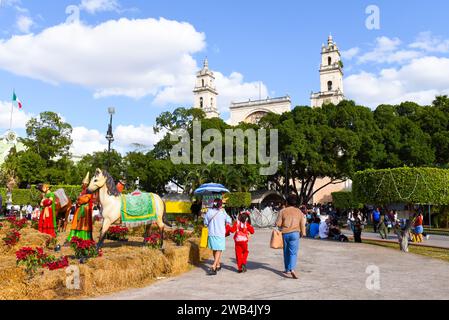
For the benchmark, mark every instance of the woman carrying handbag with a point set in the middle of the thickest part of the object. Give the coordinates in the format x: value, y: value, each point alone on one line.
x: 293, y: 225
x: 216, y: 220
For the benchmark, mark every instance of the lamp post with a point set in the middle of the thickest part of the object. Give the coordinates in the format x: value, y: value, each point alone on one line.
x: 110, y: 135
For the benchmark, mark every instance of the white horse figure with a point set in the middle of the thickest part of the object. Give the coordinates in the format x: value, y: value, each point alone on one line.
x: 110, y: 200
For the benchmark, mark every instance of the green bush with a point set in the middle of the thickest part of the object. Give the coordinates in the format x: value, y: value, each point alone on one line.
x: 402, y: 185
x: 33, y: 196
x: 345, y: 200
x: 239, y: 200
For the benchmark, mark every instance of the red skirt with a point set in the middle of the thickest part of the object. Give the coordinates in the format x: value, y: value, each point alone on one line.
x: 46, y: 224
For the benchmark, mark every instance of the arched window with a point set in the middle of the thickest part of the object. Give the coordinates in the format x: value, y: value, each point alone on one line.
x: 202, y: 81
x: 329, y: 61
x: 329, y: 86
x: 201, y: 102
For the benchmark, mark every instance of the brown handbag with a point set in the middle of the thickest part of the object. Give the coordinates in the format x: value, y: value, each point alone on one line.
x: 277, y: 242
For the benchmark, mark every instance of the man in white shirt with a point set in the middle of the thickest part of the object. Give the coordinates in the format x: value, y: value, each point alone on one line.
x: 324, y: 229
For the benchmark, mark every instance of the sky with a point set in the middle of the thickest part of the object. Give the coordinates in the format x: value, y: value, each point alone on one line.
x: 79, y: 57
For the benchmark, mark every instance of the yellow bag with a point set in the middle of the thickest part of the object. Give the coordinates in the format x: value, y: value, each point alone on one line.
x: 204, y: 237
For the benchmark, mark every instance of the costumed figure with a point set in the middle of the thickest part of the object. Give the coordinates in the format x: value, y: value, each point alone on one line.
x: 47, y: 219
x: 82, y: 220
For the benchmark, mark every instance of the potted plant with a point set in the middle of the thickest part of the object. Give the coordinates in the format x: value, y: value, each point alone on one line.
x: 154, y: 241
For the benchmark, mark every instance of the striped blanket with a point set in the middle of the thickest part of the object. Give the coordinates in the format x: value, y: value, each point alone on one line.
x: 138, y: 209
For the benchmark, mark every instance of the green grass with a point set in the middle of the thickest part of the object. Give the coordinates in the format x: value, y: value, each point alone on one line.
x: 436, y: 253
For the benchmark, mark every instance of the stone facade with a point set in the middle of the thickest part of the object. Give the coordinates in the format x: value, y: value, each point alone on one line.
x: 206, y: 93
x: 253, y: 111
x: 331, y: 76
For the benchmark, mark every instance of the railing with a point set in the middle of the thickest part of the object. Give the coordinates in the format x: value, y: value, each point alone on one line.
x: 258, y: 102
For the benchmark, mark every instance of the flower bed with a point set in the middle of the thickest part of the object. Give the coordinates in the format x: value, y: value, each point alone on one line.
x: 11, y: 238
x: 33, y: 259
x: 117, y: 233
x: 123, y: 266
x: 84, y: 248
x: 17, y: 224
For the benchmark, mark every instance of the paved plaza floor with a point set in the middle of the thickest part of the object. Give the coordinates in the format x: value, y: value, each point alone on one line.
x: 327, y: 270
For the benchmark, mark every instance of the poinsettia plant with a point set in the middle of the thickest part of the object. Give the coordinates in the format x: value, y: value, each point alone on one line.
x: 35, y: 224
x: 182, y: 222
x: 1, y: 226
x: 60, y: 263
x: 31, y: 258
x: 154, y: 241
x: 17, y: 224
x: 11, y: 238
x: 84, y: 248
x: 117, y: 233
x: 179, y: 236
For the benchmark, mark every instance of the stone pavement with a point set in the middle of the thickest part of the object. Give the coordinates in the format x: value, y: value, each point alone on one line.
x: 327, y: 270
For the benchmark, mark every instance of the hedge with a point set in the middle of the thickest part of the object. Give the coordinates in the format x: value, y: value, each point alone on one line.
x: 345, y: 200
x: 32, y: 196
x: 402, y: 185
x: 238, y: 200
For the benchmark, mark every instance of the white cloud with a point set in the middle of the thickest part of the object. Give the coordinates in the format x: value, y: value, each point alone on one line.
x: 428, y: 42
x: 234, y: 89
x: 133, y: 58
x: 420, y: 81
x: 24, y: 24
x: 350, y: 53
x: 87, y: 141
x: 387, y: 50
x: 20, y: 117
x: 230, y: 89
x: 94, y: 6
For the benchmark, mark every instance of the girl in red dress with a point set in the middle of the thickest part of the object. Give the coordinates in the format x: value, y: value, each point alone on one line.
x: 242, y: 228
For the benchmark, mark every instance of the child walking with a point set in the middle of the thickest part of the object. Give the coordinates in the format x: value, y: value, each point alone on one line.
x: 242, y: 228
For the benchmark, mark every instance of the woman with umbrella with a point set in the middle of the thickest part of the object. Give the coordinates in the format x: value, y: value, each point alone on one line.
x: 216, y: 220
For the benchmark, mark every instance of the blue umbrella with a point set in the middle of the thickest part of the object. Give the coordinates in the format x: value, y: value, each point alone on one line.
x: 210, y: 188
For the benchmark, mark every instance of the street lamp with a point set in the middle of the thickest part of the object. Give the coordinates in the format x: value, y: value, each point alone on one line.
x: 110, y: 135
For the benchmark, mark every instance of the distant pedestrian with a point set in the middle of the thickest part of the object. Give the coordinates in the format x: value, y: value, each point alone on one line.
x: 418, y: 228
x: 357, y: 226
x: 375, y: 218
x: 196, y: 209
x: 382, y: 227
x: 293, y: 225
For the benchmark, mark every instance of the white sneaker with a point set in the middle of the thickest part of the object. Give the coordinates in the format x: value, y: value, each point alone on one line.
x: 427, y: 237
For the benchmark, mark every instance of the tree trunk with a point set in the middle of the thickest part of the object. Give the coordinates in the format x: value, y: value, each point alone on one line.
x: 403, y: 234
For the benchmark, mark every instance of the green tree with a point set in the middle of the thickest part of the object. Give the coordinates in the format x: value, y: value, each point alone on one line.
x: 48, y: 136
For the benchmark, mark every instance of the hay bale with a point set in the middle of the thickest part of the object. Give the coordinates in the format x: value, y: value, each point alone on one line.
x: 123, y: 266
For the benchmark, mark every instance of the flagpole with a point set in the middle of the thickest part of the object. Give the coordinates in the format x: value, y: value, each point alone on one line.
x: 12, y: 110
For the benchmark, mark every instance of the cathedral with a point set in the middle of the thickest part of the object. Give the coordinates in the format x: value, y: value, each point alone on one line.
x: 251, y: 111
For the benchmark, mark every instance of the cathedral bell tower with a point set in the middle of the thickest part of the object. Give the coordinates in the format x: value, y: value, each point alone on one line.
x: 331, y: 76
x: 205, y: 92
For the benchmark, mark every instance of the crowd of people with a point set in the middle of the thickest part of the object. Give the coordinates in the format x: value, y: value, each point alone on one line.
x: 313, y: 221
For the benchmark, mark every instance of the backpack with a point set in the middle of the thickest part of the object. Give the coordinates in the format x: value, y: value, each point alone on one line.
x: 241, y: 235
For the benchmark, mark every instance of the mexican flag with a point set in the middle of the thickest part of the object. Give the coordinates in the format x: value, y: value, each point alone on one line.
x: 16, y: 100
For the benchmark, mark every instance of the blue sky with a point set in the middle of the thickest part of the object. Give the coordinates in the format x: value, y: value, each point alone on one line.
x: 143, y: 64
